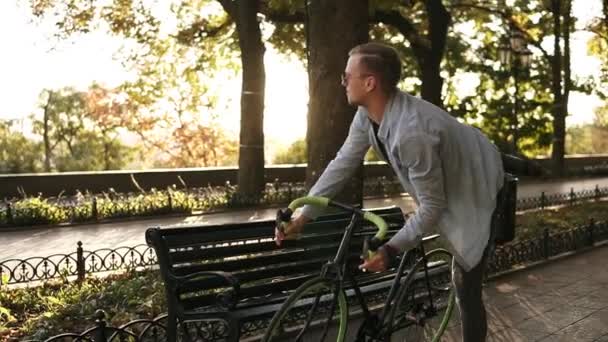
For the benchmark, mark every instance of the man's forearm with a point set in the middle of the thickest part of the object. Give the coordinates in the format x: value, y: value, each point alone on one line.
x: 423, y: 221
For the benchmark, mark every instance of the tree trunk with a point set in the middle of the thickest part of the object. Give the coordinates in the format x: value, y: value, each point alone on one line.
x: 430, y: 65
x: 567, y: 26
x: 334, y: 28
x: 251, y: 151
x: 559, y: 119
x: 432, y: 83
x: 45, y: 134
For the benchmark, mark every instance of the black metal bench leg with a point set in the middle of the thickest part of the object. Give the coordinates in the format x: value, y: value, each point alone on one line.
x: 234, y: 330
x: 171, y: 328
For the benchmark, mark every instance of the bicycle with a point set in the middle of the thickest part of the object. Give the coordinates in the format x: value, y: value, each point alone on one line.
x: 414, y: 303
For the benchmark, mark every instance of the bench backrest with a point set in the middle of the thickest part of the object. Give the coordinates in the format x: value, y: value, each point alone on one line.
x: 248, y: 252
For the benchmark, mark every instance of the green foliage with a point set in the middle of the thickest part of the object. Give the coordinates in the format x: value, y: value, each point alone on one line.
x: 587, y: 139
x: 56, y: 307
x: 296, y: 153
x: 532, y: 223
x: 175, y: 48
x: 79, y: 132
x: 112, y: 205
x: 18, y: 154
x: 37, y: 210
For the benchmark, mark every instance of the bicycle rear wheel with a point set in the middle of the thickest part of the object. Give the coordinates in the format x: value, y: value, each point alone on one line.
x: 317, y: 311
x: 419, y: 314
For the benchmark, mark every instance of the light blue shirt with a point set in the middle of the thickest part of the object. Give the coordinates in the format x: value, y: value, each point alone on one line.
x: 451, y: 170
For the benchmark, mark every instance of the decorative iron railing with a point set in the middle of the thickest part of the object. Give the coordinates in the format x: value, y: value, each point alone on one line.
x: 546, y: 246
x: 141, y: 330
x: 570, y: 198
x: 78, y: 264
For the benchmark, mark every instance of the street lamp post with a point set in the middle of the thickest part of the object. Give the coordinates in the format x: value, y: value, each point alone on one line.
x: 515, y: 56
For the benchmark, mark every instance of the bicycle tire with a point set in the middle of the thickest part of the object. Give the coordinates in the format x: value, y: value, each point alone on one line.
x: 411, y: 311
x: 303, y: 300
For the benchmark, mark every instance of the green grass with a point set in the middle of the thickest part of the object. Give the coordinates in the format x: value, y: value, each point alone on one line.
x: 532, y: 223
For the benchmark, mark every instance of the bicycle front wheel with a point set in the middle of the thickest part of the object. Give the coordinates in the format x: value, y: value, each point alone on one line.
x: 317, y: 311
x: 425, y: 304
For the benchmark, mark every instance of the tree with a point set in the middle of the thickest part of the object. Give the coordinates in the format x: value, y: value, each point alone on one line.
x: 18, y: 154
x: 427, y: 38
x: 334, y: 28
x: 201, y: 42
x: 61, y: 122
x: 251, y: 181
x: 108, y: 109
x: 296, y: 153
x: 80, y: 130
x: 562, y: 83
x: 537, y: 21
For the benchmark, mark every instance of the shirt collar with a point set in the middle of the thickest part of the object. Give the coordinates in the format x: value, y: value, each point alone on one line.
x: 388, y: 118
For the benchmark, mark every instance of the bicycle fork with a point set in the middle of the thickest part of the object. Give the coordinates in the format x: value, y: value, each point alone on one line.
x: 332, y: 270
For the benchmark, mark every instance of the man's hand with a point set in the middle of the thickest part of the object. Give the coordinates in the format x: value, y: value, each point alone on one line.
x: 291, y: 231
x: 377, y: 263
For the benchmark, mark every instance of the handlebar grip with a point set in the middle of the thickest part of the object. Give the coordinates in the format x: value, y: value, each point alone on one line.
x: 370, y: 247
x: 379, y: 222
x: 312, y: 200
x: 283, y: 217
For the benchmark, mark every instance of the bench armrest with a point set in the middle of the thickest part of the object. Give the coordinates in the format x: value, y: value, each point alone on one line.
x: 227, y: 300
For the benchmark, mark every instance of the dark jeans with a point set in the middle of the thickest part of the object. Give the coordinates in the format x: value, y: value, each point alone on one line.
x: 468, y: 287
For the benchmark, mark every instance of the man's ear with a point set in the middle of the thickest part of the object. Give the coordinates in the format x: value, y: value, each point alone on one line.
x: 371, y: 83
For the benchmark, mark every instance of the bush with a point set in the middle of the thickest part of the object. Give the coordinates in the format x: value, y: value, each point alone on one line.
x: 57, y: 307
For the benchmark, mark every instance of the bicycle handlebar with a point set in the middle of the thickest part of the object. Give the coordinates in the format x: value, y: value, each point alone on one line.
x: 284, y: 216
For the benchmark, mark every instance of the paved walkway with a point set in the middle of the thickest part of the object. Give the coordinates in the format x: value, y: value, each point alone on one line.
x: 565, y: 300
x: 62, y: 240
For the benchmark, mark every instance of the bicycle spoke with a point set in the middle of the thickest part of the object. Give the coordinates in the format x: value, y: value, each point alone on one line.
x: 312, y: 313
x: 420, y: 309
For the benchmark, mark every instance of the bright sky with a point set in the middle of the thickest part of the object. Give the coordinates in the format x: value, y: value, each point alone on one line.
x: 32, y: 60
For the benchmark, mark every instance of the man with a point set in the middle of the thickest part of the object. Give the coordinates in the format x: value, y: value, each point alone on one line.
x: 451, y: 170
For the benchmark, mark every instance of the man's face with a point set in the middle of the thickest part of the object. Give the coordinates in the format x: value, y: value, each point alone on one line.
x: 356, y: 81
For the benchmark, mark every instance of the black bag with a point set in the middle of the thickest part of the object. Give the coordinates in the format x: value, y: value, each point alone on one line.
x: 503, y: 220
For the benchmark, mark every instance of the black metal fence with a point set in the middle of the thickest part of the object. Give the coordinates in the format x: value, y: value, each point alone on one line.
x: 573, y: 197
x: 547, y: 246
x: 76, y: 264
x: 141, y: 330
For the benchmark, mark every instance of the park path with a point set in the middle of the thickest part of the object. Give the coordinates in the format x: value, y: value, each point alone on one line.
x: 31, y: 242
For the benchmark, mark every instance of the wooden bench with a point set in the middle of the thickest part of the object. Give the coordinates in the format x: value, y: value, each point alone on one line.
x: 232, y: 278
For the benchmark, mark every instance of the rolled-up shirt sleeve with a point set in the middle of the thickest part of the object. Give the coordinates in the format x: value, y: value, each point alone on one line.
x: 342, y: 167
x: 419, y: 156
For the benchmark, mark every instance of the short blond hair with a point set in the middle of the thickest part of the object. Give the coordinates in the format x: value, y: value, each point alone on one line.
x: 381, y: 60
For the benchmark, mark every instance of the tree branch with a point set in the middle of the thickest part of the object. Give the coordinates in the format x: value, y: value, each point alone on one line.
x: 283, y: 17
x: 200, y: 28
x: 229, y: 6
x: 505, y: 15
x: 396, y: 20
